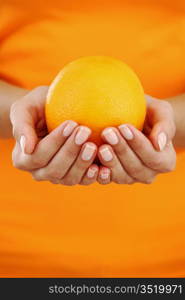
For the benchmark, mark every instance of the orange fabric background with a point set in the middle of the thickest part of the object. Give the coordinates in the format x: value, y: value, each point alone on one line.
x: 48, y: 230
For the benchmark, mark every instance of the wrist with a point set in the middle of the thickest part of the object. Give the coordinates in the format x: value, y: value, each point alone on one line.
x: 8, y: 95
x: 178, y: 105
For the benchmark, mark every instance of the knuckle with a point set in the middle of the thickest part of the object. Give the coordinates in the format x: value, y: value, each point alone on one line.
x: 156, y: 164
x: 69, y: 153
x: 55, y: 138
x: 28, y: 162
x: 169, y: 168
x: 85, y: 183
x: 42, y: 175
x: 139, y: 145
x: 53, y: 173
x: 36, y: 162
x: 20, y: 163
x: 16, y: 164
x: 69, y: 181
x: 122, y: 149
x: 130, y: 181
x: 120, y: 180
x: 148, y: 180
x: 140, y: 175
x: 169, y: 163
x: 136, y: 172
x: 82, y: 166
x: 37, y: 177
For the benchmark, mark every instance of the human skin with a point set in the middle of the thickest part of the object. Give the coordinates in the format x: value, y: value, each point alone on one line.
x: 128, y: 155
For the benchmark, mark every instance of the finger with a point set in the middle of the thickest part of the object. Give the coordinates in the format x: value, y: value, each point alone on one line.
x: 49, y: 146
x: 24, y: 116
x: 90, y: 175
x: 46, y: 148
x: 24, y: 132
x: 129, y: 160
x: 65, y: 157
x: 161, y: 120
x: 143, y: 148
x: 108, y: 159
x: 78, y: 169
x: 104, y: 176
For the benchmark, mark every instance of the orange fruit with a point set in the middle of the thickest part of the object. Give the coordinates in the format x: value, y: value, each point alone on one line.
x: 96, y: 91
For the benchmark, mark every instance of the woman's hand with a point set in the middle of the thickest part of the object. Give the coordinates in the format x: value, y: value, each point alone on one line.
x: 62, y: 157
x: 132, y: 156
x: 66, y: 157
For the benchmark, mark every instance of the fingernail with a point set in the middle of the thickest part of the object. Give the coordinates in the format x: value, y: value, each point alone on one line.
x: 69, y: 128
x: 82, y: 135
x: 126, y: 132
x: 23, y: 143
x: 162, y: 140
x: 105, y: 174
x: 106, y: 154
x: 110, y: 136
x: 88, y: 152
x: 91, y: 172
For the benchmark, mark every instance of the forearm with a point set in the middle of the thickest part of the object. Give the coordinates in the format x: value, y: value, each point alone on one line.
x: 8, y: 95
x: 178, y: 104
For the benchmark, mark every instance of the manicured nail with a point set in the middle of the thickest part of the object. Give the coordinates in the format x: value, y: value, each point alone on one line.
x: 88, y: 152
x: 126, y: 132
x: 69, y: 128
x: 91, y: 172
x: 106, y: 154
x: 110, y: 136
x: 162, y: 140
x: 105, y: 174
x: 23, y: 143
x: 82, y: 135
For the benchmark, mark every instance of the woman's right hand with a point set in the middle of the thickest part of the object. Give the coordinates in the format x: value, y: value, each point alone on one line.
x: 63, y: 156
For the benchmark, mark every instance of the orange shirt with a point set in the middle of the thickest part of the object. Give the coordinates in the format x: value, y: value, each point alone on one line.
x: 108, y: 231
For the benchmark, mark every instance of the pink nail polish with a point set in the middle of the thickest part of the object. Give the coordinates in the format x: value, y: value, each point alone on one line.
x: 110, y: 136
x: 68, y: 129
x: 105, y: 174
x: 82, y: 135
x: 23, y: 143
x: 88, y: 152
x: 126, y: 132
x: 106, y: 154
x: 162, y: 140
x: 91, y: 172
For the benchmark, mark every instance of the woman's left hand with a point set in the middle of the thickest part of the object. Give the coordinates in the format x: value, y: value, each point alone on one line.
x: 132, y: 156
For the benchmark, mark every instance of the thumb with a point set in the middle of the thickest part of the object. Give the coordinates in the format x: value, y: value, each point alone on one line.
x: 160, y: 135
x: 23, y: 121
x: 162, y: 124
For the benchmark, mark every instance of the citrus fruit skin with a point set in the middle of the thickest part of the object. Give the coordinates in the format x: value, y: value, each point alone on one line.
x: 98, y: 92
